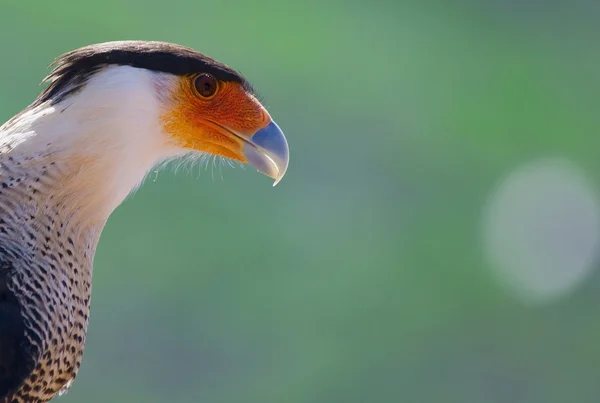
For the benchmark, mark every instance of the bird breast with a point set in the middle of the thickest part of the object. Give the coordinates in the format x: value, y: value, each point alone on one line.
x: 49, y: 266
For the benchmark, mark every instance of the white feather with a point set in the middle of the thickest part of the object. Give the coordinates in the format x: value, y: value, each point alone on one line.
x: 104, y: 139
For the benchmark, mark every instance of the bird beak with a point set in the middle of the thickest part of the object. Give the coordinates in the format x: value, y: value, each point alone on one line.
x: 267, y: 151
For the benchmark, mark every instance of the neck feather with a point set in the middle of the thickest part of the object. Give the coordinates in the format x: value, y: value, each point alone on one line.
x: 85, y: 154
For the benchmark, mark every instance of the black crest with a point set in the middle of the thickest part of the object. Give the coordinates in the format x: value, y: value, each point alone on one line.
x: 74, y: 68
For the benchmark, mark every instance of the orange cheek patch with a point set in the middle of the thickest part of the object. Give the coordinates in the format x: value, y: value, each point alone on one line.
x: 235, y: 109
x: 202, y: 124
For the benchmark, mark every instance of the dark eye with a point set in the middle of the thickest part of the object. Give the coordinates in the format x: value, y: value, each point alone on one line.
x: 206, y: 85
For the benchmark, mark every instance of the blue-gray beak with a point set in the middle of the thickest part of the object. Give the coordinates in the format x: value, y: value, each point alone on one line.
x: 267, y: 151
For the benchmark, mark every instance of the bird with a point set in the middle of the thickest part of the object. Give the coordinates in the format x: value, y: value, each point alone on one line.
x: 108, y: 115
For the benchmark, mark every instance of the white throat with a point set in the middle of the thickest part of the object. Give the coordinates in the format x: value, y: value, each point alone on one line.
x: 97, y: 145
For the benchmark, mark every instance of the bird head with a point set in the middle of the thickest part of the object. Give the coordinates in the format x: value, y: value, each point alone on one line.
x: 222, y: 117
x: 154, y: 100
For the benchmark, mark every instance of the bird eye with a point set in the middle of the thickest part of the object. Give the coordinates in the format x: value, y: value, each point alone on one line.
x: 206, y: 85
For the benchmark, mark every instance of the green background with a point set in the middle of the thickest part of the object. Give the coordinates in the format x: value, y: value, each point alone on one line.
x: 361, y: 277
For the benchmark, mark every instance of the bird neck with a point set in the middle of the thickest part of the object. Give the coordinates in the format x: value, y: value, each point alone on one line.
x: 38, y: 189
x: 86, y: 153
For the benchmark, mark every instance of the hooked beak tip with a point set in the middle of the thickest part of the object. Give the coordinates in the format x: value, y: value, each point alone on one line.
x: 267, y: 151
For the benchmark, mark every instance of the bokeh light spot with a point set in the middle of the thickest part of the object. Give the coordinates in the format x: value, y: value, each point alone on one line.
x: 541, y: 229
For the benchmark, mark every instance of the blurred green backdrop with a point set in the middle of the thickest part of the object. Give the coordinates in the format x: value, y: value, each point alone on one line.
x: 363, y: 276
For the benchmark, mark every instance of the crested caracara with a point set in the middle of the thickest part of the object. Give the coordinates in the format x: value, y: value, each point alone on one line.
x: 109, y: 114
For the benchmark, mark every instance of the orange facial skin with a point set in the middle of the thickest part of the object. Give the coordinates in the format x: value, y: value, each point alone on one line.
x: 218, y: 124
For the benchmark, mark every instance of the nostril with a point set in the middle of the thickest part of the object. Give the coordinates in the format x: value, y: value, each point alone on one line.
x: 265, y: 117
